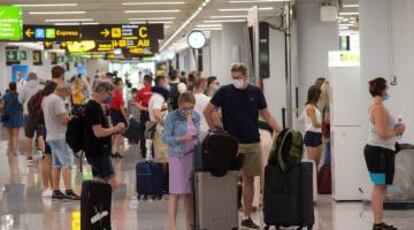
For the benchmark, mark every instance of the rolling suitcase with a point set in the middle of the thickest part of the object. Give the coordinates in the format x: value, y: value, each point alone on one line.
x: 96, y: 206
x: 288, y: 196
x: 215, y: 201
x: 151, y: 179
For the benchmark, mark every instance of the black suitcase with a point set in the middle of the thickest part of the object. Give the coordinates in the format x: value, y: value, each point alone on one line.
x: 288, y: 196
x: 96, y: 206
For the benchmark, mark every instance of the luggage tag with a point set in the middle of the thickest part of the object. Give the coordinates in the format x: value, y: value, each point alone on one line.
x: 87, y: 174
x: 99, y: 216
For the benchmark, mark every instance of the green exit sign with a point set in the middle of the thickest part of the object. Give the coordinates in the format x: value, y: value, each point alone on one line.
x: 11, y: 23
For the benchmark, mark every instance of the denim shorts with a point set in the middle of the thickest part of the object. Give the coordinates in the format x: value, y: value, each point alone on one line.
x: 61, y: 153
x: 312, y: 139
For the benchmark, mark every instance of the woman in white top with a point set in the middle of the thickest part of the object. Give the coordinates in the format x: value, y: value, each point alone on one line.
x: 313, y: 124
x: 380, y: 149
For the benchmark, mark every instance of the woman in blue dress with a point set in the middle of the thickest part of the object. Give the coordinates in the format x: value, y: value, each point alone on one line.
x: 12, y: 117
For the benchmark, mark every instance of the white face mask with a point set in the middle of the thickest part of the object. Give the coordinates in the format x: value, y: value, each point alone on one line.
x: 238, y: 83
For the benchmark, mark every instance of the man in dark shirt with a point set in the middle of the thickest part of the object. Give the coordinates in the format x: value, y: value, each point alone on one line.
x: 98, y: 134
x: 241, y: 104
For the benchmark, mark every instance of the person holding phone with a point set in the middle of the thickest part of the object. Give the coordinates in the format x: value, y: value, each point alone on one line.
x: 384, y: 130
x: 181, y: 130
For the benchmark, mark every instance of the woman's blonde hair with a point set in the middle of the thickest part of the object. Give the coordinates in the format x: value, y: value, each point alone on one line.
x: 325, y: 95
x: 77, y: 84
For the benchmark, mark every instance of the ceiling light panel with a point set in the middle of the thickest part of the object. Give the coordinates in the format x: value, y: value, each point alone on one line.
x: 225, y: 20
x: 70, y: 20
x: 153, y: 3
x: 228, y: 16
x: 209, y: 25
x: 150, y: 11
x: 47, y: 5
x: 151, y: 22
x: 245, y: 9
x: 150, y: 19
x: 56, y: 12
x: 256, y: 1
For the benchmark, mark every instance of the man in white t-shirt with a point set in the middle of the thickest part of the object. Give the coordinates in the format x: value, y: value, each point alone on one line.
x: 200, y: 86
x: 158, y: 109
x: 56, y: 119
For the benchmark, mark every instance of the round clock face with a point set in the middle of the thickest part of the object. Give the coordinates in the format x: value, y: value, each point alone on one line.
x: 196, y: 39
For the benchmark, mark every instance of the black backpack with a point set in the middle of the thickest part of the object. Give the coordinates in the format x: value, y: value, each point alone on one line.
x: 174, y: 95
x: 75, y: 133
x: 34, y: 107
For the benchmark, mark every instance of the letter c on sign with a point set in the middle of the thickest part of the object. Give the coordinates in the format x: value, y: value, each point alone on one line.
x: 142, y: 32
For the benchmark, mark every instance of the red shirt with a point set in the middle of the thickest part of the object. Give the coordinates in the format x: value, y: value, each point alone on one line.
x: 143, y: 96
x: 117, y: 100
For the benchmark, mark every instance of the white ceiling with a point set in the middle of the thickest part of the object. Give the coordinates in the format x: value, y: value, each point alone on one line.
x: 114, y: 11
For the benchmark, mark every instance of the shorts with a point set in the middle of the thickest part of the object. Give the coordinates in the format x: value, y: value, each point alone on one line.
x: 30, y: 127
x: 312, y: 139
x: 252, y: 164
x: 116, y: 117
x: 381, y: 164
x: 101, y: 165
x: 61, y: 154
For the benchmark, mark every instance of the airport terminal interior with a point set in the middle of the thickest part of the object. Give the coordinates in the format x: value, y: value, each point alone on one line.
x: 333, y: 77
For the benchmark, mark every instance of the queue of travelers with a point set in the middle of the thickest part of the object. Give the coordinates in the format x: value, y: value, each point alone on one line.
x: 174, y: 113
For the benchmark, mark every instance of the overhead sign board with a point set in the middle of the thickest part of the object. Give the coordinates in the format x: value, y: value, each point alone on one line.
x: 11, y: 23
x: 141, y: 46
x: 344, y: 59
x: 93, y: 32
x: 51, y: 33
x: 123, y: 32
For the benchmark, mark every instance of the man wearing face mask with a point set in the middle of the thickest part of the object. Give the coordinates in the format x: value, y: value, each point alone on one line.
x: 57, y: 117
x: 158, y: 109
x: 241, y: 104
x: 98, y: 134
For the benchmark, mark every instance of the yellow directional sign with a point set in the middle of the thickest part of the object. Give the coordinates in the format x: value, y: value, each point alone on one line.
x: 116, y: 32
x: 29, y: 33
x: 106, y: 32
x: 48, y: 44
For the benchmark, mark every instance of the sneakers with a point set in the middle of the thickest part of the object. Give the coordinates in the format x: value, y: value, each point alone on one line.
x: 47, y: 193
x: 58, y: 195
x: 384, y: 226
x: 249, y: 224
x: 71, y: 195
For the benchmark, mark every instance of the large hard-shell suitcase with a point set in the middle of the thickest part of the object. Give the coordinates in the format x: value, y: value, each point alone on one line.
x: 288, y: 196
x: 96, y: 206
x: 215, y: 201
x: 151, y: 179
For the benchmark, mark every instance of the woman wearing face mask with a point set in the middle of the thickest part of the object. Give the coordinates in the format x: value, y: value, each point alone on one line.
x: 380, y: 149
x: 182, y: 128
x: 212, y: 86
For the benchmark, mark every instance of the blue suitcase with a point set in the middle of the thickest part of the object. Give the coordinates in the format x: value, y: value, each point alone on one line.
x: 151, y: 179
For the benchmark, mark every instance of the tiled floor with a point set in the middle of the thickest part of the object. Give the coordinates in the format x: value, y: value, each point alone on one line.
x: 22, y: 208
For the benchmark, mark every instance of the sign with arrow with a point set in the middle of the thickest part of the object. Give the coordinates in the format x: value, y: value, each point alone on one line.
x: 51, y: 33
x: 12, y: 56
x: 11, y: 23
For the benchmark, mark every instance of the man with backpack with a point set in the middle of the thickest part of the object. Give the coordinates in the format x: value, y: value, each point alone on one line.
x: 30, y: 128
x: 241, y: 103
